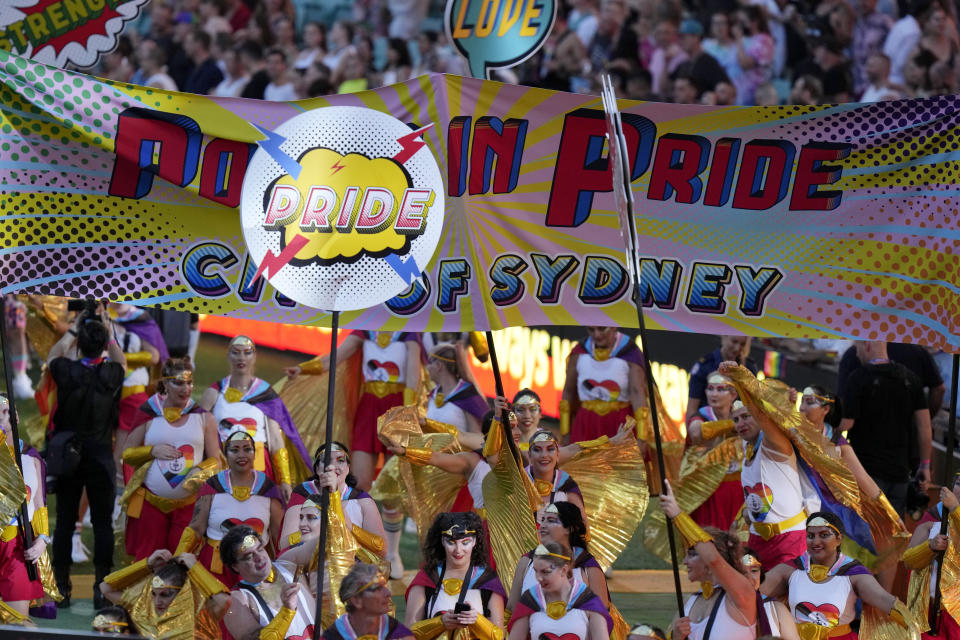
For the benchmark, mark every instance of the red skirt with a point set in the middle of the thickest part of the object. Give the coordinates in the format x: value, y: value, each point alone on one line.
x: 722, y: 507
x: 588, y: 425
x: 14, y: 583
x: 369, y: 410
x: 780, y: 548
x: 210, y: 558
x: 949, y: 629
x: 155, y: 529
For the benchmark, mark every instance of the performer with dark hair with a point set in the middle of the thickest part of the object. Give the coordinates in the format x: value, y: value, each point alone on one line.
x: 552, y: 483
x: 454, y: 404
x: 455, y: 587
x: 167, y: 449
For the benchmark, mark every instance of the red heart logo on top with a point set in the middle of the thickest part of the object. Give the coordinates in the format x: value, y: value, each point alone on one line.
x: 249, y: 424
x: 307, y: 634
x: 553, y: 636
x: 254, y: 523
x: 393, y: 371
x: 177, y: 469
x: 826, y: 615
x: 611, y: 386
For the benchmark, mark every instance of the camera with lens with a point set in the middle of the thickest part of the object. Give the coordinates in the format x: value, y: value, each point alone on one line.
x: 86, y: 309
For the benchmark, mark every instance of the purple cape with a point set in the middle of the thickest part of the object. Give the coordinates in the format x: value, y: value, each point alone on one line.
x: 146, y: 329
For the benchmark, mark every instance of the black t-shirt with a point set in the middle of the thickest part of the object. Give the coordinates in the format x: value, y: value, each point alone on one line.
x: 88, y: 398
x: 204, y: 78
x: 881, y: 400
x: 912, y: 356
x: 705, y: 71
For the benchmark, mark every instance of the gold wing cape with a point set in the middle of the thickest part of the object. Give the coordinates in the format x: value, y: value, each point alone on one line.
x: 918, y: 594
x: 306, y: 399
x: 425, y: 491
x: 672, y: 437
x: 767, y: 401
x: 187, y: 617
x: 510, y: 500
x: 701, y: 472
x: 613, y: 482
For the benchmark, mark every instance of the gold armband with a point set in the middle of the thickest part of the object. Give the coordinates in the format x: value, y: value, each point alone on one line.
x: 428, y: 629
x: 294, y: 539
x: 189, y: 541
x: 369, y: 541
x: 204, y: 581
x: 714, y: 428
x: 138, y: 359
x: 41, y: 522
x: 564, y: 417
x: 277, y: 629
x: 128, y: 576
x: 494, y: 441
x: 644, y: 424
x: 484, y: 629
x: 593, y: 444
x: 902, y: 615
x: 434, y: 426
x: 919, y: 556
x: 138, y: 456
x: 312, y: 367
x: 692, y: 532
x: 281, y: 466
x: 410, y: 397
x: 200, y: 474
x: 480, y: 347
x: 417, y: 456
x: 507, y: 614
x: 336, y: 504
x: 954, y: 518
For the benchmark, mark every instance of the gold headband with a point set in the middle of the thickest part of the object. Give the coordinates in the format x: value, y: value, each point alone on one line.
x: 644, y: 630
x: 158, y: 583
x: 103, y: 621
x: 551, y: 508
x: 238, y: 433
x: 309, y: 504
x: 717, y: 378
x: 4, y: 402
x: 379, y: 580
x: 526, y: 399
x: 437, y: 356
x: 810, y: 392
x: 820, y: 521
x: 540, y: 436
x: 749, y: 561
x: 738, y: 405
x: 542, y: 552
x: 457, y: 531
x: 184, y: 376
x: 243, y: 341
x: 249, y: 543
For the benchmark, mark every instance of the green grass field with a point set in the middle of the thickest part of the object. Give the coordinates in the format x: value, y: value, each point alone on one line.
x: 655, y: 608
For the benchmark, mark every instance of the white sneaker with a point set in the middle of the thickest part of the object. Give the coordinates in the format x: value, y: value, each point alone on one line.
x: 22, y: 386
x: 410, y: 527
x: 396, y: 567
x: 80, y: 553
x: 87, y: 524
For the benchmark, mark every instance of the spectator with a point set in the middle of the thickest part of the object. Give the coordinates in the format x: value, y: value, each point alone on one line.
x: 884, y: 398
x: 935, y: 37
x: 766, y: 95
x: 916, y: 74
x: 833, y: 70
x: 806, y: 90
x: 666, y: 57
x: 914, y: 357
x: 235, y: 77
x: 869, y: 32
x: 206, y: 75
x: 238, y: 14
x: 314, y: 46
x: 352, y: 75
x: 429, y: 58
x: 406, y: 17
x: 285, y: 37
x: 341, y: 35
x: 583, y: 20
x: 280, y: 88
x: 903, y: 37
x: 879, y: 88
x: 251, y: 58
x: 721, y: 46
x: 732, y: 348
x: 211, y: 17
x: 685, y: 89
x: 755, y: 49
x: 152, y: 60
x: 398, y: 64
x: 702, y: 67
x: 639, y: 86
x: 88, y: 397
x: 723, y: 95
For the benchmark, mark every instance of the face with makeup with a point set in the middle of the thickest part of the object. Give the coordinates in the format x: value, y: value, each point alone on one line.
x: 309, y: 520
x: 552, y: 529
x: 179, y: 388
x: 720, y: 393
x: 242, y: 356
x: 746, y: 427
x: 240, y: 453
x: 544, y: 457
x: 458, y: 550
x: 551, y: 575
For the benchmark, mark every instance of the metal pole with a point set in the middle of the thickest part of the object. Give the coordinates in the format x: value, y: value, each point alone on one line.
x: 498, y: 385
x: 328, y: 438
x: 22, y: 521
x: 948, y: 482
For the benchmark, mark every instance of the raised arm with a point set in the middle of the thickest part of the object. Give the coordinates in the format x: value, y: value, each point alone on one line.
x: 748, y: 388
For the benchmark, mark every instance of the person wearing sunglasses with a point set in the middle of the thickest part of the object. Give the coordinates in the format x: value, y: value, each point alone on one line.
x: 455, y: 587
x: 175, y: 450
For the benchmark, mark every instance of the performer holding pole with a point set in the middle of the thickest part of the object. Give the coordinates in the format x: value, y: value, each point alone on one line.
x: 327, y: 451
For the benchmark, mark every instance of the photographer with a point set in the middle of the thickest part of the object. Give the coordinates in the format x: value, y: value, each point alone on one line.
x: 79, y: 453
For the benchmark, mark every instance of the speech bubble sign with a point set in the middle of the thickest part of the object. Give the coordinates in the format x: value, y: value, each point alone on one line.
x: 342, y: 207
x: 497, y: 34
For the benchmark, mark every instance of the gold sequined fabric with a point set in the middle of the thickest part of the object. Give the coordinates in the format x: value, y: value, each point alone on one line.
x: 919, y: 596
x: 613, y: 482
x: 12, y: 490
x: 185, y: 619
x: 877, y: 625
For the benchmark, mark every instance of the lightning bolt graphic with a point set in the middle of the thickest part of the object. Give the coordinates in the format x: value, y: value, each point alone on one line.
x: 410, y: 144
x: 408, y: 270
x: 271, y: 263
x: 271, y: 144
x: 336, y: 167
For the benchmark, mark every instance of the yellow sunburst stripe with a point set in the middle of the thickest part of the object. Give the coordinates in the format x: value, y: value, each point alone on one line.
x: 485, y: 97
x: 568, y: 240
x: 434, y: 116
x: 545, y: 162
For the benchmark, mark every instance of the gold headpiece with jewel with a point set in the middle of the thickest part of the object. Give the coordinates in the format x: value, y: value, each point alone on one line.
x: 116, y: 626
x: 237, y: 433
x: 243, y: 341
x: 184, y: 376
x: 810, y: 391
x: 378, y: 582
x: 542, y: 436
x: 748, y: 560
x: 309, y: 504
x: 249, y: 543
x: 457, y: 531
x: 526, y: 399
x: 551, y: 508
x: 4, y: 402
x: 820, y: 521
x: 158, y: 583
x: 738, y: 405
x: 719, y: 378
x: 542, y: 552
x: 646, y: 630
